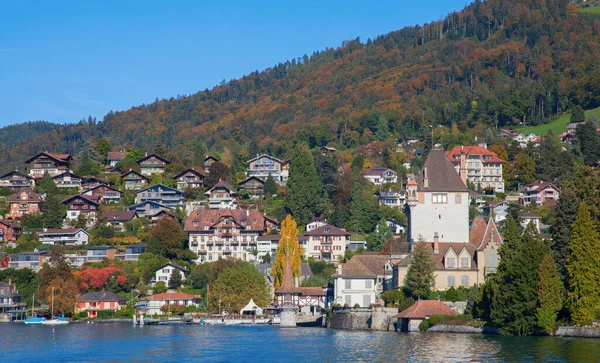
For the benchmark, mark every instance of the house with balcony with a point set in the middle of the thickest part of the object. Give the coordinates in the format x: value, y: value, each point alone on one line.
x: 267, y: 244
x: 315, y: 223
x: 190, y: 178
x: 498, y: 209
x: 160, y: 215
x: 153, y: 304
x: 92, y: 182
x: 524, y: 139
x: 254, y: 186
x: 539, y: 192
x: 152, y: 164
x: 15, y: 181
x: 117, y: 219
x: 64, y: 237
x: 325, y: 243
x: 104, y: 194
x: 45, y: 162
x: 11, y: 303
x: 478, y: 165
x: 92, y: 302
x: 31, y: 260
x: 100, y: 253
x: 22, y: 203
x: 81, y: 205
x: 264, y: 165
x: 133, y: 252
x: 164, y: 273
x: 392, y: 199
x: 67, y: 180
x: 115, y: 157
x: 148, y: 208
x: 226, y: 233
x: 9, y: 231
x: 161, y: 194
x: 132, y: 180
x: 380, y: 176
x: 222, y: 196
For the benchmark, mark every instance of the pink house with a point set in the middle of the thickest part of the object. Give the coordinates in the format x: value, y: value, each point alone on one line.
x: 539, y: 192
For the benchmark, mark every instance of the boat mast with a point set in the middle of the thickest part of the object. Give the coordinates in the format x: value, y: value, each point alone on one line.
x: 52, y: 316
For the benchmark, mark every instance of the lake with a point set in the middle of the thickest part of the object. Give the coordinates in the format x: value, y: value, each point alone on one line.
x: 122, y: 342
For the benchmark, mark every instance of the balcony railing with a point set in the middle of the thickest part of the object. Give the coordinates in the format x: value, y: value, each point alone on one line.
x: 489, y: 270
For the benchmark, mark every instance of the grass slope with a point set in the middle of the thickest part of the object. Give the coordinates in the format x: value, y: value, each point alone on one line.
x: 557, y: 126
x: 591, y: 10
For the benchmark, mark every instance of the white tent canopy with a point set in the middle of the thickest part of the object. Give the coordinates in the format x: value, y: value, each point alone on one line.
x: 251, y: 307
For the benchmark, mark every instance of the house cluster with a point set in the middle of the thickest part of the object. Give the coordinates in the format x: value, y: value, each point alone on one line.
x: 522, y: 139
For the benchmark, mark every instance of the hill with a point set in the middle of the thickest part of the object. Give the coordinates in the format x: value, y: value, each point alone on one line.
x: 558, y: 126
x: 493, y: 64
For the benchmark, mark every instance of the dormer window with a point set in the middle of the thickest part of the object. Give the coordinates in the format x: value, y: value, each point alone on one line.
x: 326, y: 230
x: 450, y: 262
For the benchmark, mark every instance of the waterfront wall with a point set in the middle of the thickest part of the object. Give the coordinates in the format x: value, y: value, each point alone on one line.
x: 379, y: 319
x: 578, y: 331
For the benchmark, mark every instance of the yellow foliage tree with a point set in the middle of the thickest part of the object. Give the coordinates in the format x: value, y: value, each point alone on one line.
x: 287, y: 243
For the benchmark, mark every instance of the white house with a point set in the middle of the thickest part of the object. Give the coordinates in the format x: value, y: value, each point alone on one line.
x: 264, y: 165
x: 325, y: 243
x: 361, y: 280
x: 379, y: 176
x: 498, y: 209
x: 164, y: 273
x: 314, y: 224
x: 153, y: 303
x: 392, y: 199
x: 438, y: 202
x: 267, y: 244
x: 396, y: 227
x: 68, y: 236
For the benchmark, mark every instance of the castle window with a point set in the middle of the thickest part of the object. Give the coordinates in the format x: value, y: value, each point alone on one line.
x: 439, y: 198
x: 457, y: 199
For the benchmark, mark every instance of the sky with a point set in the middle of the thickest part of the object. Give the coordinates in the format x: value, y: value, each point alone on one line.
x: 61, y: 61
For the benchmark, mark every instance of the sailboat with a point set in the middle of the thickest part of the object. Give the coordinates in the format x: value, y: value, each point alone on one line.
x: 33, y: 319
x: 53, y: 320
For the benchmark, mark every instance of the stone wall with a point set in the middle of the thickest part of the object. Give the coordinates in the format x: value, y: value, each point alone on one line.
x: 577, y: 331
x: 379, y: 319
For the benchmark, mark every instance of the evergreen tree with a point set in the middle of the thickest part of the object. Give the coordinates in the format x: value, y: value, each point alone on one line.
x: 383, y: 128
x: 472, y: 299
x: 288, y: 244
x: 363, y: 209
x: 304, y: 187
x: 420, y: 275
x: 87, y: 161
x: 560, y: 228
x: 175, y: 280
x: 583, y: 268
x: 379, y: 237
x: 514, y: 305
x: 160, y: 150
x: 550, y: 294
x: 588, y: 141
x: 102, y: 148
x: 577, y: 114
x: 46, y: 184
x: 270, y: 187
x: 553, y: 164
x: 53, y: 212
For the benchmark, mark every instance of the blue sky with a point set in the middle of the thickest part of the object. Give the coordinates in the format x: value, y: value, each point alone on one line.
x: 61, y: 61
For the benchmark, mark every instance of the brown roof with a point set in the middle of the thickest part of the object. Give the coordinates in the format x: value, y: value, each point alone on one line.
x: 425, y: 308
x: 441, y: 175
x: 331, y: 231
x: 116, y: 155
x: 355, y: 268
x: 373, y: 263
x: 85, y: 198
x: 65, y: 158
x: 171, y: 296
x: 477, y: 230
x: 209, y: 217
x: 376, y: 171
x: 314, y: 291
x: 223, y: 184
x: 31, y: 196
x: 131, y: 171
x: 189, y: 170
x: 491, y: 232
x: 153, y: 156
x: 288, y: 286
x: 126, y: 215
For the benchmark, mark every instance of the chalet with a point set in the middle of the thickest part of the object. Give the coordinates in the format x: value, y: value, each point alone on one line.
x: 152, y: 164
x: 325, y: 243
x: 148, y: 208
x: 222, y: 196
x: 156, y: 218
x: 15, y: 181
x: 254, y: 186
x: 315, y: 223
x: 31, y: 260
x: 190, y: 178
x: 104, y: 194
x: 67, y: 236
x: 92, y: 182
x: 92, y: 302
x: 11, y: 304
x: 22, y: 203
x: 392, y: 199
x: 505, y: 133
x: 567, y: 137
x: 328, y: 150
x: 160, y: 193
x: 165, y: 272
x: 539, y: 192
x: 208, y: 161
x: 81, y: 205
x: 67, y: 180
x: 152, y: 304
x: 9, y: 231
x: 524, y: 139
x: 117, y: 219
x: 572, y: 126
x: 115, y: 157
x: 264, y: 165
x: 215, y: 234
x: 45, y: 162
x: 379, y: 176
x: 134, y: 180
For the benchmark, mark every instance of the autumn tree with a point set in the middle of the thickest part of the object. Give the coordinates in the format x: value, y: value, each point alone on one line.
x: 236, y: 285
x: 65, y: 294
x: 420, y: 275
x: 303, y: 188
x: 583, y: 268
x: 524, y: 168
x: 288, y: 244
x: 550, y: 294
x: 102, y: 149
x: 216, y: 171
x: 166, y: 239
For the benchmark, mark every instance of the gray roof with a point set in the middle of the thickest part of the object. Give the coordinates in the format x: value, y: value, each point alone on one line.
x: 441, y: 175
x: 101, y: 296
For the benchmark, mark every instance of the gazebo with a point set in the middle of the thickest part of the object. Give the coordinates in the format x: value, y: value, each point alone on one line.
x: 252, y: 308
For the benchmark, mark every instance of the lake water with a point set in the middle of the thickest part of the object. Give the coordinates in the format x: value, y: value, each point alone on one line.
x: 121, y: 342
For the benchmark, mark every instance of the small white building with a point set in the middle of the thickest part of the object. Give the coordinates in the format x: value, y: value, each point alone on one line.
x: 164, y: 273
x: 379, y: 176
x: 267, y: 244
x: 355, y: 283
x: 67, y: 236
x: 396, y: 227
x: 314, y: 224
x: 392, y: 199
x: 498, y: 209
x: 153, y: 303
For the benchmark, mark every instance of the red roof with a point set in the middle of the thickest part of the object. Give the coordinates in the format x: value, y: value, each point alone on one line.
x: 172, y: 296
x: 473, y: 150
x: 201, y: 218
x: 425, y: 308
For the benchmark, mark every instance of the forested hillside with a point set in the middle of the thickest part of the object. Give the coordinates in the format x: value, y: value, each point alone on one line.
x: 495, y: 64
